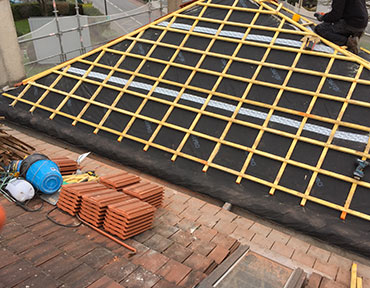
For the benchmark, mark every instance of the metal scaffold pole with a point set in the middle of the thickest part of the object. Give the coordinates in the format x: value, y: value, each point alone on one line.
x: 79, y: 28
x: 59, y: 33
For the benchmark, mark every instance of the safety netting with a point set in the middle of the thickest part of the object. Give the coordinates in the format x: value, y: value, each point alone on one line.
x: 228, y: 98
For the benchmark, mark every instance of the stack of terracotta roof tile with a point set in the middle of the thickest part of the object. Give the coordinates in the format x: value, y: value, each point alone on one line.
x: 129, y: 218
x: 119, y: 180
x: 93, y: 207
x: 66, y: 165
x: 146, y: 191
x: 71, y: 195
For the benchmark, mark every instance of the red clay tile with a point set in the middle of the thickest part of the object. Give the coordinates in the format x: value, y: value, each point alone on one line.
x: 314, y: 281
x: 66, y: 166
x: 177, y: 252
x: 192, y: 279
x: 151, y: 260
x: 144, y: 190
x: 119, y: 180
x: 321, y: 254
x: 105, y: 282
x: 158, y: 242
x: 303, y: 258
x: 218, y: 254
x: 173, y: 271
x: 140, y: 278
x: 328, y: 269
x: 198, y: 262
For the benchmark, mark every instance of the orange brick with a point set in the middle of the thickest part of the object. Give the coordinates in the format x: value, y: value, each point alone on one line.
x: 279, y: 236
x: 282, y: 249
x: 303, y: 258
x: 321, y: 254
x: 260, y: 229
x: 314, y: 281
x: 298, y: 244
x: 262, y: 241
x: 328, y: 269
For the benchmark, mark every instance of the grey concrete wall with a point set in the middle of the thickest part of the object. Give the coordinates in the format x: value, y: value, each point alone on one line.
x: 11, y: 60
x: 173, y: 5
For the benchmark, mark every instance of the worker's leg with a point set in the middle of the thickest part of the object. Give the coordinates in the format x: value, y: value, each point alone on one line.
x: 332, y: 32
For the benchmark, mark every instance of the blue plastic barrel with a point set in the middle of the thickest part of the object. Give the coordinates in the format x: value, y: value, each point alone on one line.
x: 44, y: 175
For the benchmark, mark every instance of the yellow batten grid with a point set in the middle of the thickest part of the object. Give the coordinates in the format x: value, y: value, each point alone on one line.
x: 331, y: 137
x: 300, y: 129
x: 181, y: 90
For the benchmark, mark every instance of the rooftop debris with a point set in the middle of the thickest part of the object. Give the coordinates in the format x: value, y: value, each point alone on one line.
x: 12, y: 148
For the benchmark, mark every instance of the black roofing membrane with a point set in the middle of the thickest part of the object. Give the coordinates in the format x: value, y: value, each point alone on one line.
x: 313, y: 219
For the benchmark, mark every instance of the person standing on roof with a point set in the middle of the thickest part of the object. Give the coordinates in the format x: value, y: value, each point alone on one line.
x: 344, y: 24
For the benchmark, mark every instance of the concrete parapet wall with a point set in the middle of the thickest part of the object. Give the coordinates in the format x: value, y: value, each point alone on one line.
x: 11, y: 61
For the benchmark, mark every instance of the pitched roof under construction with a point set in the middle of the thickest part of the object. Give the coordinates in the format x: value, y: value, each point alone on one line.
x: 224, y: 87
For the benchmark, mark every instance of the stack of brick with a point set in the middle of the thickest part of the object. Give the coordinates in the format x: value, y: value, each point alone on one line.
x: 71, y: 195
x: 119, y: 180
x: 129, y: 218
x: 66, y: 166
x: 93, y: 207
x: 147, y: 192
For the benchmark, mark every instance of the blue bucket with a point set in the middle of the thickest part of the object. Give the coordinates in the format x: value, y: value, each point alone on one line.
x: 44, y: 175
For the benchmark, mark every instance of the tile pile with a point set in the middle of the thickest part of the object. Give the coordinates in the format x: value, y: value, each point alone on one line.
x: 70, y: 196
x: 119, y: 180
x: 147, y: 192
x: 93, y: 206
x: 66, y: 166
x: 129, y: 218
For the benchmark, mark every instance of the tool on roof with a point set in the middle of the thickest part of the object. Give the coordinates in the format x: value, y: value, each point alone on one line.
x: 86, y: 177
x: 41, y: 172
x: 359, y: 171
x: 81, y: 158
x: 310, y: 41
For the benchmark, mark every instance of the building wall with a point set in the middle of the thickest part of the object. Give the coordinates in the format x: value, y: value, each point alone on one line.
x: 11, y: 61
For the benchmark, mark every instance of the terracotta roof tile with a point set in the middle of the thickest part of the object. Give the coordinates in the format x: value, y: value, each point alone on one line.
x: 119, y: 180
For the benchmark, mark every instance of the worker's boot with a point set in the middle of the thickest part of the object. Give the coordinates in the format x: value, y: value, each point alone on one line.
x: 353, y: 44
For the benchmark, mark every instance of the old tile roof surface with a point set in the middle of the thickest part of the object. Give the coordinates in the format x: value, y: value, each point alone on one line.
x: 189, y: 237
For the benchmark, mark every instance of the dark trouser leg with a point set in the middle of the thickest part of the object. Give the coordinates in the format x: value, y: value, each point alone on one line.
x: 333, y: 32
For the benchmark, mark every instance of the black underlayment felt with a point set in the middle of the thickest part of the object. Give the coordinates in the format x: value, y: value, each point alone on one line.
x: 194, y: 75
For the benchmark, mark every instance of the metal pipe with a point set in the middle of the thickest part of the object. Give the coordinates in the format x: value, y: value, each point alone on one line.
x: 79, y: 27
x: 83, y: 27
x: 150, y: 11
x: 108, y: 235
x: 105, y: 7
x: 59, y: 33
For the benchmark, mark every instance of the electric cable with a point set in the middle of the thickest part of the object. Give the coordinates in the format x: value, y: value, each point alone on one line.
x: 61, y: 224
